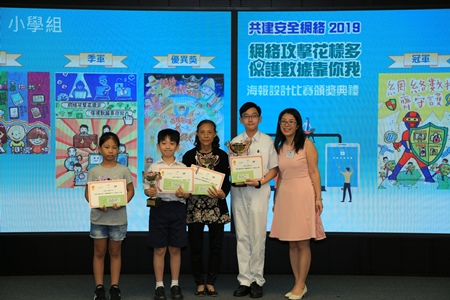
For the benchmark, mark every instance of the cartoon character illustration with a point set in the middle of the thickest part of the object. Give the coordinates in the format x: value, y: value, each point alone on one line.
x: 307, y: 126
x: 122, y: 148
x: 443, y: 168
x: 181, y: 111
x: 37, y: 140
x: 389, y: 166
x: 80, y: 91
x: 347, y: 175
x: 72, y: 158
x: 102, y: 90
x: 16, y: 134
x: 308, y: 129
x: 410, y: 168
x: 106, y: 128
x: 208, y: 89
x: 122, y: 156
x: 3, y: 138
x: 77, y: 168
x: 80, y: 177
x: 412, y: 120
x: 152, y: 84
x: 180, y: 119
x: 84, y: 139
x: 208, y: 92
x: 84, y: 130
x: 192, y: 83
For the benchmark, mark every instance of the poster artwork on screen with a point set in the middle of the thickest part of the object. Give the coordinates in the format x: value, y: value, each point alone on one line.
x: 24, y: 113
x: 413, y: 121
x: 180, y: 101
x: 88, y: 105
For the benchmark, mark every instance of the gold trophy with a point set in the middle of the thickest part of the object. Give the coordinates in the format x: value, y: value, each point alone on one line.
x: 152, y: 177
x: 206, y: 159
x: 238, y: 148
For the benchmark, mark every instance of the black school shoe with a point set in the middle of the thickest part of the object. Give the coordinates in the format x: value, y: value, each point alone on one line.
x: 176, y: 292
x: 114, y: 293
x: 160, y: 293
x: 242, y: 291
x: 256, y: 291
x: 100, y: 292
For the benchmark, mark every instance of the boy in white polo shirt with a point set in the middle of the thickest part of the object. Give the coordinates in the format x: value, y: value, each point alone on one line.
x: 250, y: 204
x: 167, y: 223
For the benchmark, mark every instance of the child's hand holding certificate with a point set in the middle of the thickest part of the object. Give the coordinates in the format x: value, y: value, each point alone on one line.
x: 107, y: 193
x: 174, y: 178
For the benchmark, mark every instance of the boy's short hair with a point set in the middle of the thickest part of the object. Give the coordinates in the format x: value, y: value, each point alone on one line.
x: 172, y: 134
x: 246, y: 106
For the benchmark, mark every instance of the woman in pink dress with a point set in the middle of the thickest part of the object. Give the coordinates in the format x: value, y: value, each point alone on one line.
x: 298, y: 201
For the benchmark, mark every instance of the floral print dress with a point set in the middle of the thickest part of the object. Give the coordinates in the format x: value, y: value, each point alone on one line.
x: 202, y: 208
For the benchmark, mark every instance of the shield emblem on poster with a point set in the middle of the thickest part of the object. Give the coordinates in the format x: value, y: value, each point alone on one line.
x: 428, y: 142
x: 391, y: 104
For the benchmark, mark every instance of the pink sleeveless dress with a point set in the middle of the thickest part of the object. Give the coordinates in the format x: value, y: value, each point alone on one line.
x: 295, y: 217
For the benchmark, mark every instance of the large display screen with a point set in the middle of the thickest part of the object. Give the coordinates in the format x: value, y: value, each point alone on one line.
x: 373, y: 89
x: 67, y: 76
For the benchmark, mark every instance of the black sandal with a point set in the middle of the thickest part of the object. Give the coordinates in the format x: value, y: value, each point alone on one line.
x: 212, y: 293
x: 200, y: 293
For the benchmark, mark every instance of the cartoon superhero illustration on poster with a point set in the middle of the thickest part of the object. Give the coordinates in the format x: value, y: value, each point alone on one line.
x: 180, y: 101
x: 413, y: 129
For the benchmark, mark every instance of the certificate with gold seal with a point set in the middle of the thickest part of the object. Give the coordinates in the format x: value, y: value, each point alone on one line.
x: 174, y: 178
x: 205, y: 178
x: 246, y: 167
x: 107, y: 193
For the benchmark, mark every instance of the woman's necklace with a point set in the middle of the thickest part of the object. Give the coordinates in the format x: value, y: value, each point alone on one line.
x: 290, y: 150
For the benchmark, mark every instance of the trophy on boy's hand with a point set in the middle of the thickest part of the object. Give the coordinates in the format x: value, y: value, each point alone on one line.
x: 238, y: 148
x: 152, y: 177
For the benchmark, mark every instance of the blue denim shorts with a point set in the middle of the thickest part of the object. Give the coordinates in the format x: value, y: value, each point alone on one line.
x: 113, y: 232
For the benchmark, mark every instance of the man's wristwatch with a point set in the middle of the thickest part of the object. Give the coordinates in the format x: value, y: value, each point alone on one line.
x: 259, y: 184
